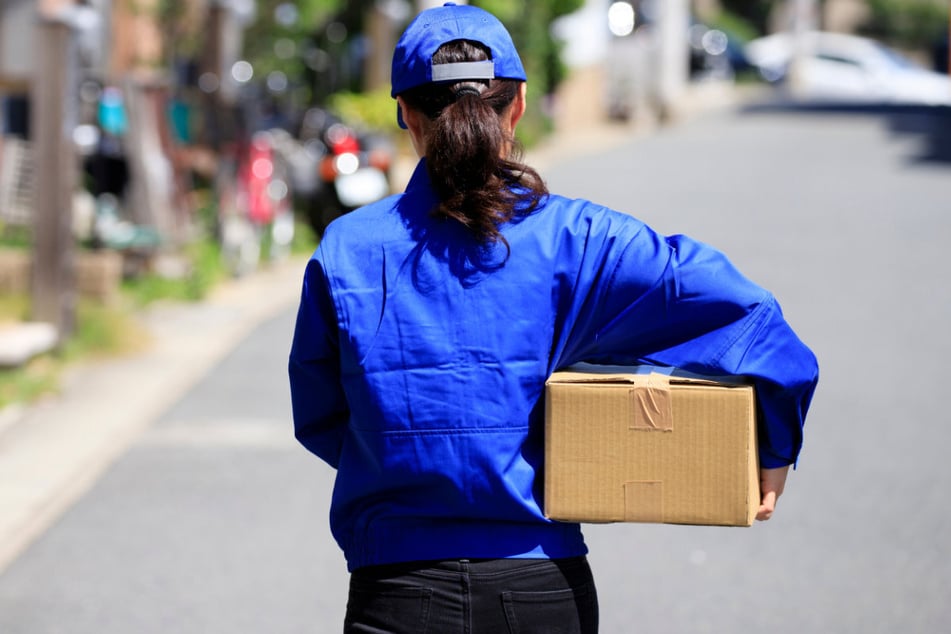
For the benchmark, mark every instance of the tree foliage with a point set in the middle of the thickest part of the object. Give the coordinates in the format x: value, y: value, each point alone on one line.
x: 280, y: 21
x: 529, y: 22
x: 755, y: 12
x: 912, y: 24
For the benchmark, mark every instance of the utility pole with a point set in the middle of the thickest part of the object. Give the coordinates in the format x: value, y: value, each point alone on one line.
x: 803, y: 21
x: 53, y: 103
x: 379, y: 31
x: 673, y: 57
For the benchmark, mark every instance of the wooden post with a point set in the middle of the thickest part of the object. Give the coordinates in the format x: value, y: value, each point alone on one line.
x: 53, y: 104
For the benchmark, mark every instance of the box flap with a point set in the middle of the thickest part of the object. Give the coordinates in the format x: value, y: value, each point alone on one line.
x: 589, y: 373
x: 648, y: 392
x: 592, y: 373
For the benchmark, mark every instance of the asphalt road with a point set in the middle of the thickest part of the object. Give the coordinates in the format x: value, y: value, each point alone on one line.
x: 215, y: 521
x: 846, y: 217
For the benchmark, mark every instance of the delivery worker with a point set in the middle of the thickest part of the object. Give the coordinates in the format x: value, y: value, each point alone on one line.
x: 429, y: 322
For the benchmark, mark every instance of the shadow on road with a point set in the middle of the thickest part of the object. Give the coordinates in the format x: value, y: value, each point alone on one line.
x: 930, y: 124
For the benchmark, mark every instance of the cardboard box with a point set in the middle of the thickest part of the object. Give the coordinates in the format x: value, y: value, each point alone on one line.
x: 636, y: 444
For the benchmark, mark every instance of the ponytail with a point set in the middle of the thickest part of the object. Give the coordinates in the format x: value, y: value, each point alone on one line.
x: 473, y: 164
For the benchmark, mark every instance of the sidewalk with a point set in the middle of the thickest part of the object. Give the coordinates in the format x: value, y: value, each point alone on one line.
x: 52, y: 453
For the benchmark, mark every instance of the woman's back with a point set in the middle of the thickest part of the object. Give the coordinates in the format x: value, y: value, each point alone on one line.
x: 430, y: 321
x: 445, y: 346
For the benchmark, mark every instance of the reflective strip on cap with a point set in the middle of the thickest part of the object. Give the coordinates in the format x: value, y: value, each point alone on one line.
x: 461, y: 71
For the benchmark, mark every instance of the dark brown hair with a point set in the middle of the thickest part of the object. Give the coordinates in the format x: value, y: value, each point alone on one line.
x: 476, y: 183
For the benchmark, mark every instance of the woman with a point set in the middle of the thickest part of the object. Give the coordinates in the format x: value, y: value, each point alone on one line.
x: 429, y: 322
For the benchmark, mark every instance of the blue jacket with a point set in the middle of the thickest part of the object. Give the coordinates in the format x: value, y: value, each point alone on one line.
x: 418, y: 363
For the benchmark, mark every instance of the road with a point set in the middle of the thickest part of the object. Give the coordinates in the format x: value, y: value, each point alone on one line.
x: 213, y: 520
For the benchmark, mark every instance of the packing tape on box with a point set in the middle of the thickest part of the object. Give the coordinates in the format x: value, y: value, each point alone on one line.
x: 644, y: 501
x: 651, y: 403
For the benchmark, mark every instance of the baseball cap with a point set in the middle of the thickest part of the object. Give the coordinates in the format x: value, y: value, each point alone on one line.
x: 413, y: 58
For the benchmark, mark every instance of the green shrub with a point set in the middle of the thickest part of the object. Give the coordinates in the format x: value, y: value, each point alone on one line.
x: 374, y: 110
x: 102, y: 331
x: 204, y: 268
x: 27, y: 384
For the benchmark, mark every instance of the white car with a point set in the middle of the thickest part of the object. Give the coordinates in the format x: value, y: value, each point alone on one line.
x: 848, y: 68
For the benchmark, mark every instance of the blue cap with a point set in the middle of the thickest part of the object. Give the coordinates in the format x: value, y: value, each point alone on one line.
x: 413, y: 58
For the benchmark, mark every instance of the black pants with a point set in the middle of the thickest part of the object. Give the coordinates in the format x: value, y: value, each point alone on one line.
x: 494, y: 596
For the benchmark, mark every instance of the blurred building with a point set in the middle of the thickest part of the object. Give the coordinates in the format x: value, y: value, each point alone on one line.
x: 116, y: 86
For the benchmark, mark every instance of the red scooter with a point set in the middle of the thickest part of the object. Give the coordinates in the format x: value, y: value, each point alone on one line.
x: 352, y: 168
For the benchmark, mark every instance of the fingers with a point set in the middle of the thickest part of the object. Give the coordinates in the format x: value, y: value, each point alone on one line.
x: 767, y: 506
x: 772, y: 482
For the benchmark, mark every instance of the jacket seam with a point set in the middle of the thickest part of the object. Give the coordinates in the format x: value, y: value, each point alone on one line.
x: 753, y: 321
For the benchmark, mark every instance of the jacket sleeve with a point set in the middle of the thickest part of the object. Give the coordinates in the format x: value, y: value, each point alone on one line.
x: 319, y: 406
x: 701, y: 315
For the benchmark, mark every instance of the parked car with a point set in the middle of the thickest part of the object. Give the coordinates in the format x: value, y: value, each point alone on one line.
x: 848, y: 68
x: 940, y: 57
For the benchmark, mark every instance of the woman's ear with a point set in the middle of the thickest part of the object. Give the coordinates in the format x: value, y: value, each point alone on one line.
x: 519, y: 104
x: 414, y: 126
